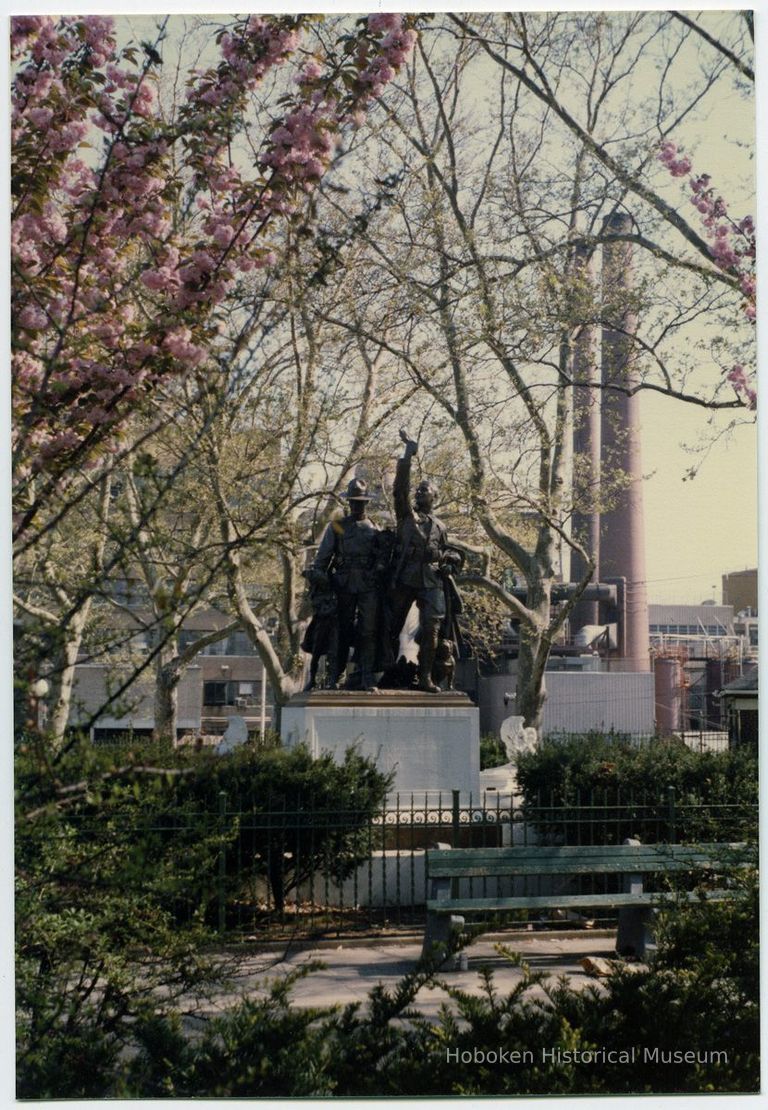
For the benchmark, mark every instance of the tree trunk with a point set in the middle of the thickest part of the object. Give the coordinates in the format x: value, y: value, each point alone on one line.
x: 71, y: 633
x: 531, y: 690
x: 167, y: 675
x: 275, y: 871
x: 283, y: 684
x: 535, y: 644
x: 63, y: 676
x: 170, y: 665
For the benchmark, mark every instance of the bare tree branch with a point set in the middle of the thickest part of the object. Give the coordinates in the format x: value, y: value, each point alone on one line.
x: 742, y: 67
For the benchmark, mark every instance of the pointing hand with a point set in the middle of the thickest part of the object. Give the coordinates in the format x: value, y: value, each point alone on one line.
x: 410, y: 444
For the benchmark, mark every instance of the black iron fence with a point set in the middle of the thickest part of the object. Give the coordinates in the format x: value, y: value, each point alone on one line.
x: 698, y: 739
x: 275, y: 872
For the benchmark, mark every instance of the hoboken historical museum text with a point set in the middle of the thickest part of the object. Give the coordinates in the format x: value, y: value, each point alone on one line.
x: 590, y: 1056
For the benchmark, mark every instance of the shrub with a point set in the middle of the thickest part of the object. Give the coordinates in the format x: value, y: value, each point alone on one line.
x: 118, y: 867
x: 493, y: 752
x: 256, y: 813
x: 259, y: 1047
x: 627, y: 785
x: 101, y: 974
x: 291, y: 816
x: 96, y: 946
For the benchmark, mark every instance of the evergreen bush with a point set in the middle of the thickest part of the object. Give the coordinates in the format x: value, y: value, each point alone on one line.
x: 603, y: 787
x: 118, y: 876
x: 493, y: 753
x: 288, y: 818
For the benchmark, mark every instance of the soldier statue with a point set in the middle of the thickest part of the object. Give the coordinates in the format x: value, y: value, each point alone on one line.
x: 348, y: 552
x: 322, y: 635
x: 422, y: 560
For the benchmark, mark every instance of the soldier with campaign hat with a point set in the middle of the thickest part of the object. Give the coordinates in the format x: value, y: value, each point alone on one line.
x: 348, y: 552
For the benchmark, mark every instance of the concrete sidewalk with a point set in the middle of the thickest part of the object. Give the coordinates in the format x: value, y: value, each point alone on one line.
x: 352, y: 970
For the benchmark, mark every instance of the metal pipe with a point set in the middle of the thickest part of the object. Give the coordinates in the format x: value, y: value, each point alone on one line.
x: 263, y: 720
x: 597, y: 591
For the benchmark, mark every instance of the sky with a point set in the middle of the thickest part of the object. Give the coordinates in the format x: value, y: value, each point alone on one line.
x: 700, y: 529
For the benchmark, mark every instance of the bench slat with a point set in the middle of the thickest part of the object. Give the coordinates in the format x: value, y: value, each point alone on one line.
x: 573, y: 901
x: 609, y: 859
x: 642, y: 864
x: 610, y: 867
x: 550, y: 849
x: 565, y: 851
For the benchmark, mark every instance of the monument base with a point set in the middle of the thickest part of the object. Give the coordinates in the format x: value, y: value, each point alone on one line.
x: 430, y: 741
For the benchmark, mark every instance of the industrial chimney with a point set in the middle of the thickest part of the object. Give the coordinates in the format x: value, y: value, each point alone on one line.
x: 622, y: 531
x: 585, y: 523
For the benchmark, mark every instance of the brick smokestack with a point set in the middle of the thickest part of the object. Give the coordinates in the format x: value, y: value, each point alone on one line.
x: 585, y: 524
x: 622, y: 532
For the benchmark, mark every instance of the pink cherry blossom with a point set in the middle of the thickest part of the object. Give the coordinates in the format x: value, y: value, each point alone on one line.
x: 390, y: 21
x: 733, y: 248
x: 742, y: 384
x: 179, y: 343
x: 111, y: 292
x: 156, y: 279
x: 33, y: 318
x: 40, y: 117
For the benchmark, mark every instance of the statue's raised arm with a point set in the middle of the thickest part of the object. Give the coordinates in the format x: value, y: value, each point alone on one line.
x: 411, y: 445
x: 421, y: 542
x: 402, y: 486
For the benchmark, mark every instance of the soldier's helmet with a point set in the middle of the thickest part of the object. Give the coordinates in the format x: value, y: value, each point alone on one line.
x: 357, y: 490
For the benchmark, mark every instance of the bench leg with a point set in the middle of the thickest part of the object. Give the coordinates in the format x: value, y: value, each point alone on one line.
x: 439, y: 931
x: 440, y: 926
x: 634, y: 935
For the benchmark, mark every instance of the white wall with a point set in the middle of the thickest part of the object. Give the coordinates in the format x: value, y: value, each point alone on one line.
x: 579, y: 702
x: 135, y: 708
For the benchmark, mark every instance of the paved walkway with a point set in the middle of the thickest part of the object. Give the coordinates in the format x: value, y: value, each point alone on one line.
x: 352, y: 969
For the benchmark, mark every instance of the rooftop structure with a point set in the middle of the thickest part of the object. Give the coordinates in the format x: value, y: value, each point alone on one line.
x: 740, y: 590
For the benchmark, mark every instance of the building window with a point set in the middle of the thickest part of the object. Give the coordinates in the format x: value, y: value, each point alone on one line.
x: 237, y: 643
x: 240, y: 644
x: 218, y: 693
x: 129, y: 592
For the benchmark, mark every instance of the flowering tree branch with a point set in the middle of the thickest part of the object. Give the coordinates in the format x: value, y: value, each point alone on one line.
x: 732, y: 245
x: 118, y: 270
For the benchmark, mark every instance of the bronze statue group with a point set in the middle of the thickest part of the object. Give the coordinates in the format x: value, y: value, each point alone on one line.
x: 363, y: 582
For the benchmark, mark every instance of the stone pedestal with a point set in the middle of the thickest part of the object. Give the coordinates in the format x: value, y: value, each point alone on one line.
x: 431, y: 741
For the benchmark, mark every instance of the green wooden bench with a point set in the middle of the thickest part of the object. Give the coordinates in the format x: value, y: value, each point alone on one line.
x: 643, y: 867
